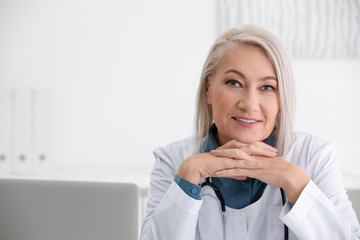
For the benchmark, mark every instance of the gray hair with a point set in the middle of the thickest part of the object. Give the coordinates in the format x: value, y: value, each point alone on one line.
x: 251, y: 35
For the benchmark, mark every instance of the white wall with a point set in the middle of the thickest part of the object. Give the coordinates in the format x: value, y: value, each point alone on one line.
x: 124, y: 76
x: 123, y: 73
x: 328, y: 105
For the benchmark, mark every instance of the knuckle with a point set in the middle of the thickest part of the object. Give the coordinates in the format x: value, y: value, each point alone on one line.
x: 251, y: 147
x: 231, y: 163
x: 239, y: 144
x: 237, y: 152
x: 238, y: 171
x: 233, y: 141
x: 247, y: 150
x: 238, y: 164
x: 246, y: 164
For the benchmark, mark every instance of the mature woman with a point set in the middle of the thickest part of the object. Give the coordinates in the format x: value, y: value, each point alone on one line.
x: 246, y: 174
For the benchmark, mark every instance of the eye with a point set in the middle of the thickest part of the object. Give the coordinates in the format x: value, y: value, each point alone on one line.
x: 233, y: 83
x: 267, y: 88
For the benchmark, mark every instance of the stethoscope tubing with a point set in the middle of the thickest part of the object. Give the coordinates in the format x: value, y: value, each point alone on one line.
x: 222, y: 202
x: 217, y: 193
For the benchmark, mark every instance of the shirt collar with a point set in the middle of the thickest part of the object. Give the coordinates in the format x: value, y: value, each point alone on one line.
x: 210, y: 142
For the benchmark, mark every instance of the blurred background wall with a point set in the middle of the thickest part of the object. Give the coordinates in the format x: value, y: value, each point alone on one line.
x: 123, y: 74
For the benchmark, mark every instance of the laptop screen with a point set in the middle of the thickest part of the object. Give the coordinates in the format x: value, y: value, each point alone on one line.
x: 68, y: 210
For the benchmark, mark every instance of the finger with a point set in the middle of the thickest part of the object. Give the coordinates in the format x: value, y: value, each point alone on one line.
x: 222, y: 163
x: 242, y: 159
x: 237, y: 177
x: 234, y: 173
x: 266, y: 146
x: 261, y: 146
x: 232, y: 144
x: 236, y: 144
x: 230, y: 163
x: 261, y: 150
x: 257, y: 148
x: 233, y: 153
x: 240, y: 178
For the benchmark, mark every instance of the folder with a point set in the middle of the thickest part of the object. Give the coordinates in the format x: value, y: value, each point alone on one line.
x: 22, y: 160
x: 42, y: 130
x: 6, y: 100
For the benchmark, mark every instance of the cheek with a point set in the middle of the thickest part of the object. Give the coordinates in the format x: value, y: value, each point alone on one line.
x: 222, y: 102
x: 272, y: 111
x: 221, y: 107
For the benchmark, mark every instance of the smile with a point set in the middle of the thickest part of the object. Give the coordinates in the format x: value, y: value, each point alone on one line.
x: 245, y: 120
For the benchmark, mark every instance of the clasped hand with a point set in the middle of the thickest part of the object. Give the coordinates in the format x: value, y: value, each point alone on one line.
x: 239, y: 161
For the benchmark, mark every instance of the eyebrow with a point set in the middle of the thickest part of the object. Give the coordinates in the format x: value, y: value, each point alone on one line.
x: 243, y: 76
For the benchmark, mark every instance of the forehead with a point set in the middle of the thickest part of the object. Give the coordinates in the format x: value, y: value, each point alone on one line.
x: 249, y: 59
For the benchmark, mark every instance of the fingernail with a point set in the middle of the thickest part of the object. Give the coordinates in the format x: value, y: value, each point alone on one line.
x: 213, y: 151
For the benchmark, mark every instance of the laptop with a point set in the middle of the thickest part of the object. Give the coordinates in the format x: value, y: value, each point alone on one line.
x: 68, y: 210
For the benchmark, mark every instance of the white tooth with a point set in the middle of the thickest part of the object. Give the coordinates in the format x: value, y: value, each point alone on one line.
x: 245, y: 120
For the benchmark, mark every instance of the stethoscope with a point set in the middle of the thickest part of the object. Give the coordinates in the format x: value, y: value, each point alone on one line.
x: 223, y: 209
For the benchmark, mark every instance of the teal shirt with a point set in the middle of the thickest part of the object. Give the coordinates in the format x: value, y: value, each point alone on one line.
x: 236, y: 193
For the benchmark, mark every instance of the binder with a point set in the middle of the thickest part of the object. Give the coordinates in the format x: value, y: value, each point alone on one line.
x: 42, y: 130
x: 22, y: 160
x: 6, y: 97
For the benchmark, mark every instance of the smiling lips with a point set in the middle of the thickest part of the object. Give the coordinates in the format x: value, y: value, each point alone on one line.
x: 246, y: 122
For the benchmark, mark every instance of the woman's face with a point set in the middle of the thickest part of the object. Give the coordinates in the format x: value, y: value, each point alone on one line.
x: 243, y: 94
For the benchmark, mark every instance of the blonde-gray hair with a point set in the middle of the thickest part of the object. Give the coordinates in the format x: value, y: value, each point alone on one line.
x: 251, y: 35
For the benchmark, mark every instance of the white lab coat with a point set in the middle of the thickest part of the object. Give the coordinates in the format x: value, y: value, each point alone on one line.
x: 322, y: 211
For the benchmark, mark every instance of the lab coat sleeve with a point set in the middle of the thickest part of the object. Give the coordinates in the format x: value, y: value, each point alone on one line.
x: 171, y: 213
x: 323, y: 210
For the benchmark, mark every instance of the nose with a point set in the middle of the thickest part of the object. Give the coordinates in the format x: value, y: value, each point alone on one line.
x: 249, y: 101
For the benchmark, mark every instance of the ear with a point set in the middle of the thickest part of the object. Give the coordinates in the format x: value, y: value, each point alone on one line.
x: 208, y: 95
